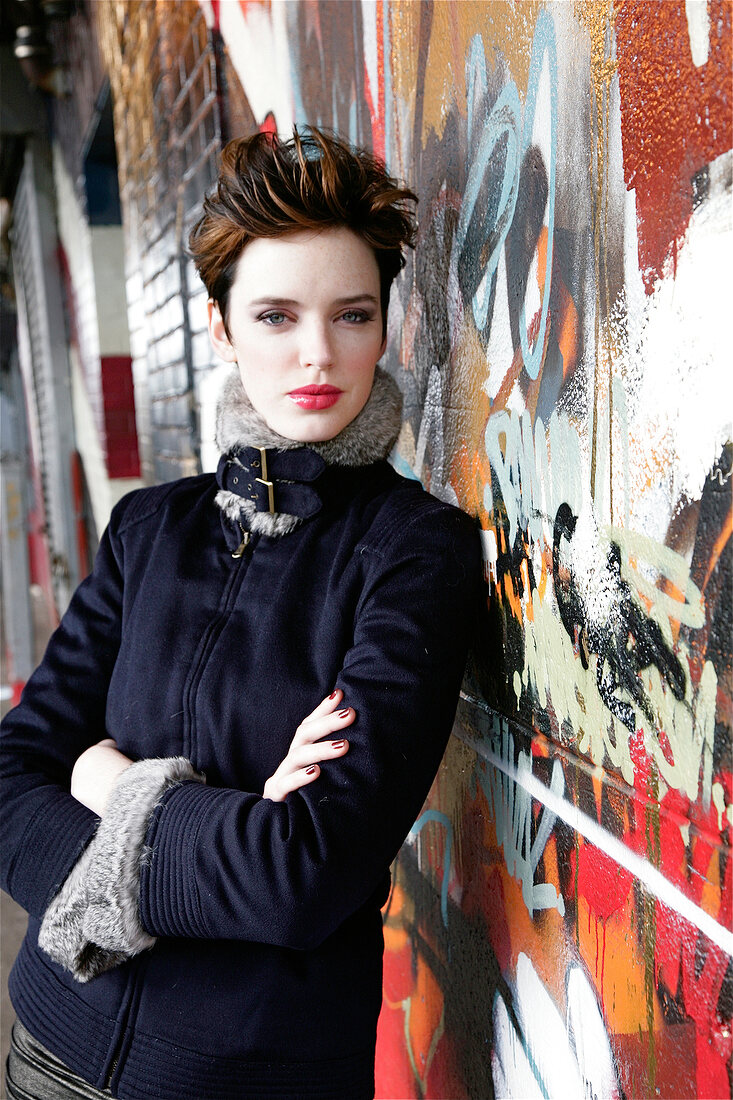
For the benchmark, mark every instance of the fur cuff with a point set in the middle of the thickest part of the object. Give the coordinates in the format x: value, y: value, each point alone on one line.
x: 92, y: 924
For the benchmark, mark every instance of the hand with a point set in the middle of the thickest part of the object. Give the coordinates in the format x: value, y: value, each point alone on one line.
x: 95, y: 774
x: 300, y: 765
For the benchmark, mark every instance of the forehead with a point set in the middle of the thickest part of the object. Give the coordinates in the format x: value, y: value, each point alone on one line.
x: 310, y: 260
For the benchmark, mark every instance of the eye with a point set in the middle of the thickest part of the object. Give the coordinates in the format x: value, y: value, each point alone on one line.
x: 355, y: 316
x: 273, y: 317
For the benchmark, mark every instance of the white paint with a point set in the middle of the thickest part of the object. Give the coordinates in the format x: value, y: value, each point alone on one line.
x: 675, y: 363
x: 371, y: 57
x: 536, y: 470
x: 596, y: 585
x: 490, y: 553
x: 499, y: 350
x: 208, y: 10
x: 539, y: 1059
x: 510, y: 1066
x: 208, y: 387
x: 648, y: 875
x: 588, y: 1035
x: 259, y: 50
x: 698, y: 28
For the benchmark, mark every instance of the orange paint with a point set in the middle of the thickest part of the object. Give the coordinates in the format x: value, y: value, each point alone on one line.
x: 718, y: 546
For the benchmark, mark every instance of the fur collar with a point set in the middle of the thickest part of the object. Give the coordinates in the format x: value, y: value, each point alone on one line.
x: 368, y: 438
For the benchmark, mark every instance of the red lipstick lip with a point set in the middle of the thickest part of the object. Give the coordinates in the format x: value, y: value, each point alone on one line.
x: 315, y: 398
x: 315, y: 390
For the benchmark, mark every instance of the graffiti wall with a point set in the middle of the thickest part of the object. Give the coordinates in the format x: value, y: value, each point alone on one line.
x: 560, y: 922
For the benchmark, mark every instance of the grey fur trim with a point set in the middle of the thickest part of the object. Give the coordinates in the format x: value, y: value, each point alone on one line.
x: 369, y: 437
x: 262, y: 523
x: 92, y: 924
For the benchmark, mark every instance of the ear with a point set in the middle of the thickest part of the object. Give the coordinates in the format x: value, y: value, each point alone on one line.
x: 220, y: 342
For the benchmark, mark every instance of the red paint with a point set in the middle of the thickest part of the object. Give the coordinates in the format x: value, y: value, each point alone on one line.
x: 378, y: 129
x: 268, y: 124
x: 601, y: 881
x: 118, y: 395
x: 675, y: 118
x: 77, y: 496
x: 392, y: 1071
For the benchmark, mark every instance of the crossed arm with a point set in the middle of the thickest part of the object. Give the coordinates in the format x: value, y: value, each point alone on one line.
x: 99, y: 767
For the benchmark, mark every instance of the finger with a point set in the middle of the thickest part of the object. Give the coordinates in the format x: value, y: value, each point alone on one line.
x: 326, y: 706
x: 279, y: 787
x: 305, y: 755
x: 316, y: 728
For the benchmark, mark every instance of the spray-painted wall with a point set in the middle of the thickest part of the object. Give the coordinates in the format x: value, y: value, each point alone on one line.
x: 560, y: 922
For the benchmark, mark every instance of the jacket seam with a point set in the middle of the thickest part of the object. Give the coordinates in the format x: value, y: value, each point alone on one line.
x: 400, y: 526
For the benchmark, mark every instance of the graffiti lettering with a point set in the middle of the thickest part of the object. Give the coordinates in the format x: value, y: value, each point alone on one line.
x: 542, y: 1055
x: 485, y: 221
x: 511, y: 808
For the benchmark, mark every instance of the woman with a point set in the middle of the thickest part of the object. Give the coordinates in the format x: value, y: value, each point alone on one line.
x: 205, y: 921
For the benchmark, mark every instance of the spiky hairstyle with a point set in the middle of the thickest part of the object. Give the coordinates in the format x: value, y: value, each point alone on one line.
x: 271, y: 188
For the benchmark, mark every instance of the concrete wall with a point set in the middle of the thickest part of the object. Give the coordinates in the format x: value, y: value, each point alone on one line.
x: 561, y: 918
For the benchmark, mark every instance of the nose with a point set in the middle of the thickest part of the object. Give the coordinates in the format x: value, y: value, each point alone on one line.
x: 316, y: 348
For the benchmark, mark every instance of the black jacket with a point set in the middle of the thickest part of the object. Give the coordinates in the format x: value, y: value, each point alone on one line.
x: 264, y: 977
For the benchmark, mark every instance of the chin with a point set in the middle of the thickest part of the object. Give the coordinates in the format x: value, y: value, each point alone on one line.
x: 313, y: 433
x: 311, y: 427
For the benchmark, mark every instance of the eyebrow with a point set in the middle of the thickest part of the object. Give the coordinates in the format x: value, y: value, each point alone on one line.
x: 293, y: 302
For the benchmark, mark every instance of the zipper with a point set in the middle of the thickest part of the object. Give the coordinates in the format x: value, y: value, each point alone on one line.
x: 239, y: 552
x: 110, y: 1075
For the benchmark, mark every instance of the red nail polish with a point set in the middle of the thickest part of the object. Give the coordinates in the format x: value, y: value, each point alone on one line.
x: 337, y: 744
x: 333, y: 695
x: 310, y: 770
x: 343, y: 713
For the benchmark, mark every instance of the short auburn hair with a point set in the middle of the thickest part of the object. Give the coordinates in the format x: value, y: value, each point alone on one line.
x: 270, y: 188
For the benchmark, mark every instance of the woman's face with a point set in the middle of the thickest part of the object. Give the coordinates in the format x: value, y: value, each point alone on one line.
x: 305, y: 330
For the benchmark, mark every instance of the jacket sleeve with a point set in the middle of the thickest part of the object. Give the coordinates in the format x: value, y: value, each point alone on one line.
x: 43, y: 829
x: 228, y: 864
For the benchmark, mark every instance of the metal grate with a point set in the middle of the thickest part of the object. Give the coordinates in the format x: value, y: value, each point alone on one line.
x: 44, y: 362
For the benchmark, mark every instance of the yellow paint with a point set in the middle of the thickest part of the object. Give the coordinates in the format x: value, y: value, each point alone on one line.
x: 720, y: 543
x: 506, y: 29
x: 712, y: 893
x: 638, y: 549
x: 619, y: 973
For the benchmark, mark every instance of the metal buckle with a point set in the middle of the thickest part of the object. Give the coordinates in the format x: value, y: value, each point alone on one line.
x: 263, y: 480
